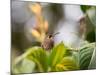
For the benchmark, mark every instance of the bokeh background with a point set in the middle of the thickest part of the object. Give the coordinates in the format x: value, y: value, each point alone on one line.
x: 75, y: 23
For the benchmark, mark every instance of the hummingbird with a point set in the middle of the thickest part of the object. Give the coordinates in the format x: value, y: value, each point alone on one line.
x: 48, y: 42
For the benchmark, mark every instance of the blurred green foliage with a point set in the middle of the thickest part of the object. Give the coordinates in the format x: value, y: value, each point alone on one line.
x: 36, y: 59
x: 91, y: 37
x: 85, y: 7
x: 90, y: 12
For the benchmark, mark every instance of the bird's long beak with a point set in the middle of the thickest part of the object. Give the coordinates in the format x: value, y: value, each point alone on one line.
x: 55, y: 34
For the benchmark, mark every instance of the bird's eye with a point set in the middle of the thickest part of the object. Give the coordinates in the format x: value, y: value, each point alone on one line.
x: 50, y: 36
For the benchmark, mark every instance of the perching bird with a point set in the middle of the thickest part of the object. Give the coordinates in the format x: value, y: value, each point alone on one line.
x: 48, y: 42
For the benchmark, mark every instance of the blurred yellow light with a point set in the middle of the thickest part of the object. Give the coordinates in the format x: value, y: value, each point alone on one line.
x: 35, y: 33
x: 36, y: 8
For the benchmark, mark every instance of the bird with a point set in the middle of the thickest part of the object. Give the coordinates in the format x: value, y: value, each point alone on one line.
x: 48, y: 41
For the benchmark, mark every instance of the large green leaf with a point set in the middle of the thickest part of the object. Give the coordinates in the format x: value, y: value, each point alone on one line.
x: 66, y: 64
x: 86, y: 56
x: 57, y: 54
x: 33, y: 60
x: 40, y: 58
x: 24, y: 66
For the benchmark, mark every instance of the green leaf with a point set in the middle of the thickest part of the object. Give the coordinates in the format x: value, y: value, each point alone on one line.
x: 66, y: 64
x: 36, y: 61
x: 57, y: 54
x: 24, y: 66
x: 68, y: 52
x: 92, y: 64
x: 91, y: 13
x: 40, y: 58
x: 85, y: 56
